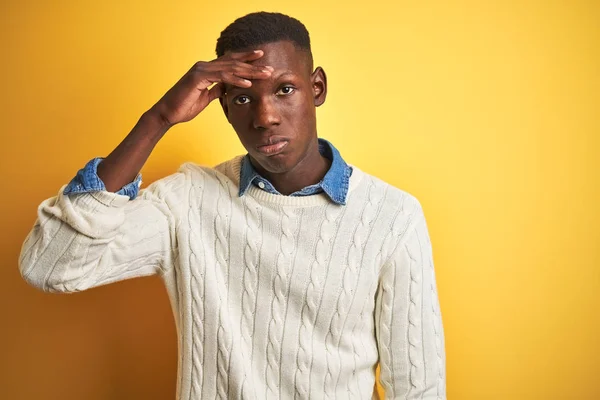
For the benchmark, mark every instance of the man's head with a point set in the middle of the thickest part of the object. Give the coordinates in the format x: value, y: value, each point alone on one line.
x: 281, y: 109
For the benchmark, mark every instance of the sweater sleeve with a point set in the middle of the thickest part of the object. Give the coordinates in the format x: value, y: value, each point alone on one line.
x: 408, y: 322
x: 84, y: 240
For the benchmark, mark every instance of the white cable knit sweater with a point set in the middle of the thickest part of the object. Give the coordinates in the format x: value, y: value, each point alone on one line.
x: 274, y: 296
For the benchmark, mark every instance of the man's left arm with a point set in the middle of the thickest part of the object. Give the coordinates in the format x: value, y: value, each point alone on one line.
x: 410, y: 336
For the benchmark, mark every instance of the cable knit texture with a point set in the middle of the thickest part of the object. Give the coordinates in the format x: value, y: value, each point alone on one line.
x: 274, y: 296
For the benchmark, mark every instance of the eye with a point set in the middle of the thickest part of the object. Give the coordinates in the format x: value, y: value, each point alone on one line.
x: 241, y: 100
x: 286, y: 90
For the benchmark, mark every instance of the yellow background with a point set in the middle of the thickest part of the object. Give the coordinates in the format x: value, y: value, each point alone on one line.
x: 488, y: 112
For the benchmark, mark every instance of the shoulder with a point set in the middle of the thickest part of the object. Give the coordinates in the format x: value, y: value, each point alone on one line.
x: 201, y: 178
x: 191, y: 170
x: 223, y: 171
x: 391, y: 198
x: 189, y: 176
x: 401, y: 215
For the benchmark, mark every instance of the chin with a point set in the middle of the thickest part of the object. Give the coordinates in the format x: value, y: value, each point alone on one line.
x: 276, y: 164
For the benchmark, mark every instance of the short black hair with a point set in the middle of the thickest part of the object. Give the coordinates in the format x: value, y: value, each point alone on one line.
x: 263, y: 27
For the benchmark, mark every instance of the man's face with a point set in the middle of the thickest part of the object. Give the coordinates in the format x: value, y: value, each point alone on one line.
x: 275, y: 118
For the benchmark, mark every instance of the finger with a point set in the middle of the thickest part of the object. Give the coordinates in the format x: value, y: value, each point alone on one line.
x: 251, y: 73
x: 246, y: 55
x: 216, y: 91
x: 231, y: 79
x: 228, y: 78
x: 238, y: 67
x: 238, y: 75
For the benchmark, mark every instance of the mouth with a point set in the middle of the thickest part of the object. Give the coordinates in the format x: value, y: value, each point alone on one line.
x: 275, y: 146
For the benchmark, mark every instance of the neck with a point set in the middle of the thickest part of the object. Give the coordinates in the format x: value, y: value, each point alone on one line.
x: 309, y: 171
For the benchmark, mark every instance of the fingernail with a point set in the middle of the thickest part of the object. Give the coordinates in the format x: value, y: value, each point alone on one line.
x: 269, y: 68
x: 258, y: 51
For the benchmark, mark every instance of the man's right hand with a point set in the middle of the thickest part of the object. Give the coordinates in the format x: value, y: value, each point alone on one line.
x: 192, y: 93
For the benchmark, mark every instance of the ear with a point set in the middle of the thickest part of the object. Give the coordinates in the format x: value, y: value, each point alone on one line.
x: 319, y: 86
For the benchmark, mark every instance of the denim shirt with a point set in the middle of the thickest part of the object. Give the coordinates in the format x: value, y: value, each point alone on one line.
x: 335, y: 183
x: 87, y: 180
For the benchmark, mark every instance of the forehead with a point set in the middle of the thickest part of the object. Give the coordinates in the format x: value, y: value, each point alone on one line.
x: 283, y: 55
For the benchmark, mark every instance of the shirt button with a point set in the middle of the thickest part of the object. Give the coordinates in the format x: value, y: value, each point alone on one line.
x: 261, y: 185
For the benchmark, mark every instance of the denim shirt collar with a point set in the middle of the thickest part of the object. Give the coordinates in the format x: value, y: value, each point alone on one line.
x: 335, y: 183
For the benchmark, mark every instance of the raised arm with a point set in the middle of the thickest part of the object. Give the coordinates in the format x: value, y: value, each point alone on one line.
x: 96, y: 231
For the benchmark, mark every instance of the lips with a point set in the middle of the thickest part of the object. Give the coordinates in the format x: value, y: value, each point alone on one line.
x: 273, y: 146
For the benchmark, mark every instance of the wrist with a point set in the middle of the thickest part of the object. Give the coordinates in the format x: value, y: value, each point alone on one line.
x: 154, y: 124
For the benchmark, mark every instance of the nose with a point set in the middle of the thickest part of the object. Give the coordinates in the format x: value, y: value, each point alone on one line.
x: 266, y: 114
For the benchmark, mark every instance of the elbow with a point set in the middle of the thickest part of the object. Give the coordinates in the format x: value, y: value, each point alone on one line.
x: 48, y: 285
x: 36, y: 278
x: 27, y: 269
x: 29, y: 261
x: 43, y: 266
x: 33, y: 279
x: 43, y: 279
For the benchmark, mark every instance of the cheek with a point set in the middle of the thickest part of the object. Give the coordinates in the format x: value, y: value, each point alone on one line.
x: 239, y: 124
x: 299, y: 110
x: 238, y: 118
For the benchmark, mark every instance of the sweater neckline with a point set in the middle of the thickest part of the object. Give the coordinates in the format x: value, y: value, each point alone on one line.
x: 319, y: 199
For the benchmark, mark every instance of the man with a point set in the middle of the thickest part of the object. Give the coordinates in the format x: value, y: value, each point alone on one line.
x: 291, y: 273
